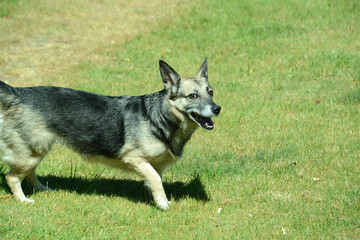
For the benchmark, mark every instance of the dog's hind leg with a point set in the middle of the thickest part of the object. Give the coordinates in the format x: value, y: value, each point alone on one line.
x: 14, y: 178
x: 34, y: 181
x: 19, y: 170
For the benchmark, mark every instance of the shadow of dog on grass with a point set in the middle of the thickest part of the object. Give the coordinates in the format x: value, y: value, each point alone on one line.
x: 130, y: 189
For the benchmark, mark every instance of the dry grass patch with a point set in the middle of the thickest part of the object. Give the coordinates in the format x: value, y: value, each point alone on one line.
x: 41, y: 40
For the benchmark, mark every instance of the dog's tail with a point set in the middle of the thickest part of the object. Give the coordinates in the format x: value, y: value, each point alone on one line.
x: 7, y: 94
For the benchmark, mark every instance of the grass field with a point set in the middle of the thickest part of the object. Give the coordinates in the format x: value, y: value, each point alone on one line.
x: 283, y: 159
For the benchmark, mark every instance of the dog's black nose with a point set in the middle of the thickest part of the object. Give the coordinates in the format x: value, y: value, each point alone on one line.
x: 216, y: 109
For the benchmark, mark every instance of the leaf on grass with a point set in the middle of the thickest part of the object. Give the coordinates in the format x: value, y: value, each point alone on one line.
x: 5, y: 196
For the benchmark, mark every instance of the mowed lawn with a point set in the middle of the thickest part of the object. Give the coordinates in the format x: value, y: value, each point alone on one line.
x: 283, y: 159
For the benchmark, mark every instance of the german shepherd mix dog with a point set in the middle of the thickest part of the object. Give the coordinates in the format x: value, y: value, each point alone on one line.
x: 143, y: 134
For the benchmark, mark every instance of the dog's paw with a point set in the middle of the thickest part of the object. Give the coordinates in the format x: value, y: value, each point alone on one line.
x: 163, y: 204
x: 28, y: 200
x: 43, y: 189
x: 48, y: 189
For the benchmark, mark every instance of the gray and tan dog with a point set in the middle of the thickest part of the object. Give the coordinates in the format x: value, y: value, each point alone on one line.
x: 143, y: 134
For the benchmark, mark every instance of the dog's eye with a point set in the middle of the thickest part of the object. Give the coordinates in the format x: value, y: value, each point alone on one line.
x: 193, y: 96
x: 211, y: 92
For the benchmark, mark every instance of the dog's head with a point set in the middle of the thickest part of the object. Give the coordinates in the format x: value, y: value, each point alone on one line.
x: 192, y: 97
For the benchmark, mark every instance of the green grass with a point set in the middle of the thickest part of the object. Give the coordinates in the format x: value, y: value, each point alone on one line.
x: 283, y: 160
x: 6, y: 7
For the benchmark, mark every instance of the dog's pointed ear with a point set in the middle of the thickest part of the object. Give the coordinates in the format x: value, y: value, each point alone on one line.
x: 169, y: 76
x: 202, y: 73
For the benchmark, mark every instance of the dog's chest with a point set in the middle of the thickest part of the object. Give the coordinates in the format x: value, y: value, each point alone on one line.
x: 153, y: 149
x: 157, y: 153
x: 163, y: 161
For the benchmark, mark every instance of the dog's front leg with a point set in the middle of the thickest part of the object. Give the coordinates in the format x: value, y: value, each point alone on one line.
x: 153, y: 181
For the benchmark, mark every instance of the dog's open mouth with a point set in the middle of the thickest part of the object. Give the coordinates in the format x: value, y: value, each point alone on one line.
x: 203, y: 121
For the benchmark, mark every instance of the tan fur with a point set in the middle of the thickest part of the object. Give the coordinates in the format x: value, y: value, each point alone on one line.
x: 24, y: 141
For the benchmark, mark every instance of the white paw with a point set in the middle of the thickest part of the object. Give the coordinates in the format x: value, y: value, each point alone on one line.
x: 163, y: 204
x: 28, y: 200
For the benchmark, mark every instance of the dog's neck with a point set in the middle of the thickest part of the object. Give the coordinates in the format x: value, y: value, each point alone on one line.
x: 174, y: 128
x: 185, y: 129
x: 180, y: 138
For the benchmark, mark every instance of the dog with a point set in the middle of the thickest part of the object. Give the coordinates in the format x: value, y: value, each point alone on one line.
x: 142, y: 134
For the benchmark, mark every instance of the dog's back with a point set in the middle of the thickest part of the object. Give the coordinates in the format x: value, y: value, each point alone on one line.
x: 88, y: 122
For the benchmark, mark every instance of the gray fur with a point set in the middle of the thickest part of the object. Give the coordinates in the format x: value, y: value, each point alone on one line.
x: 144, y: 134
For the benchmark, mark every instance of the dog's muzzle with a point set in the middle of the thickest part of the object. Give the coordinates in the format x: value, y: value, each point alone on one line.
x: 206, y: 122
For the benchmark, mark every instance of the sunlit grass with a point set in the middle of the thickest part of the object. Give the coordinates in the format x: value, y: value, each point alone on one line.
x: 282, y: 160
